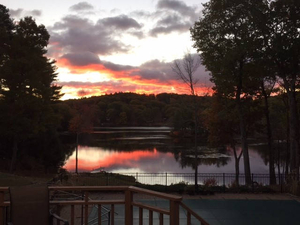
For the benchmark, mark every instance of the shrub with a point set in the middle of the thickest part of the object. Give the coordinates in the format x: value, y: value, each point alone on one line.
x: 210, y: 182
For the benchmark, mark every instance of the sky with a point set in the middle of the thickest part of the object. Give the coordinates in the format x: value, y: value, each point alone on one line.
x: 109, y: 46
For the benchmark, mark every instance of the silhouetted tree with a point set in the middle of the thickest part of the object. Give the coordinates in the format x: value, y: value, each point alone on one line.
x: 27, y: 77
x: 224, y: 37
x: 185, y: 70
x: 283, y: 48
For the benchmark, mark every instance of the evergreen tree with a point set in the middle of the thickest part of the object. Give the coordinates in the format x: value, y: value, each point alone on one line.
x: 27, y: 77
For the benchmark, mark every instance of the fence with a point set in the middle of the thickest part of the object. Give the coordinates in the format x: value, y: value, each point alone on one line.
x: 220, y: 179
x: 166, y: 179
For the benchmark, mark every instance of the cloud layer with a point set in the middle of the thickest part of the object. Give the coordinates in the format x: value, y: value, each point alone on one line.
x: 83, y: 39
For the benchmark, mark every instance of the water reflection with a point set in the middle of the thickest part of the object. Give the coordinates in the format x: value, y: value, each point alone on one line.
x: 154, y: 152
x: 91, y: 158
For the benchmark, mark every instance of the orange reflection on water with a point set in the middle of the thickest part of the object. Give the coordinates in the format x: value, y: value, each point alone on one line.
x: 90, y: 158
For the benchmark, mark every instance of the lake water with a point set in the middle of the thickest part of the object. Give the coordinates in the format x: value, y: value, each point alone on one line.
x: 152, y: 150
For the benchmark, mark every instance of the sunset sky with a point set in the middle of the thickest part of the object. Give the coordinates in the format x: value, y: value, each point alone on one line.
x: 108, y: 46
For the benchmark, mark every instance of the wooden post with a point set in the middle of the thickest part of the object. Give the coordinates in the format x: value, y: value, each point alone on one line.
x: 112, y: 209
x: 150, y: 217
x: 174, y: 212
x: 128, y: 207
x: 141, y: 216
x: 188, y: 218
x: 161, y: 219
x: 72, y: 214
x: 1, y: 208
x: 86, y: 208
x: 99, y: 215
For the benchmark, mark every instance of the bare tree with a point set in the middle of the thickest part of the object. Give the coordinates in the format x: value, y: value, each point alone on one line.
x: 185, y: 70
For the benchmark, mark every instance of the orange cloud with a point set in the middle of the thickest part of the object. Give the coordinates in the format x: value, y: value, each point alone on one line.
x: 128, y: 80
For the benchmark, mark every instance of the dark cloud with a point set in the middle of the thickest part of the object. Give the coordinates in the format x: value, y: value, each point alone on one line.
x: 82, y: 59
x: 71, y: 22
x: 121, y: 22
x: 75, y: 34
x: 169, y: 29
x: 81, y: 6
x: 141, y: 14
x: 178, y: 6
x: 15, y: 13
x: 174, y: 16
x: 156, y: 70
x: 18, y: 13
x: 35, y: 13
x: 169, y: 20
x: 86, y: 85
x: 170, y: 23
x: 138, y: 34
x: 162, y: 71
x: 116, y: 67
x: 89, y: 58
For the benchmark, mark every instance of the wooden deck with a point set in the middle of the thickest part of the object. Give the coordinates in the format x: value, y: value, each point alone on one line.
x: 127, y: 200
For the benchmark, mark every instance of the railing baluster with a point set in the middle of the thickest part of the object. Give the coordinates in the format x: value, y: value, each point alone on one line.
x: 1, y: 208
x: 72, y: 215
x: 174, y: 212
x: 112, y: 214
x: 150, y: 217
x: 161, y: 219
x: 128, y: 207
x: 188, y: 218
x: 99, y: 215
x: 140, y: 216
x: 86, y: 208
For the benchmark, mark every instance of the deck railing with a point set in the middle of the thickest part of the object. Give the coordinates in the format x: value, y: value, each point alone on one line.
x: 171, y: 212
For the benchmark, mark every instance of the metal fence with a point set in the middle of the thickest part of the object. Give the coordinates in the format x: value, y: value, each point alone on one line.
x: 217, y: 179
x: 166, y: 179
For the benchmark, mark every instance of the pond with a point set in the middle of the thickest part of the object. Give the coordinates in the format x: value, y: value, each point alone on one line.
x: 152, y: 150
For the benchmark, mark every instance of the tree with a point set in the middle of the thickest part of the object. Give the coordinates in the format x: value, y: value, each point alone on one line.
x: 283, y: 49
x: 26, y: 77
x: 263, y: 72
x: 224, y: 39
x: 185, y: 70
x: 222, y: 123
x: 6, y: 28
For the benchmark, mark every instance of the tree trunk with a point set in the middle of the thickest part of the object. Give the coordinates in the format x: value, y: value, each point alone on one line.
x: 196, y: 146
x: 243, y: 127
x: 287, y: 148
x: 14, y: 156
x: 237, y: 164
x: 294, y: 134
x: 270, y: 138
